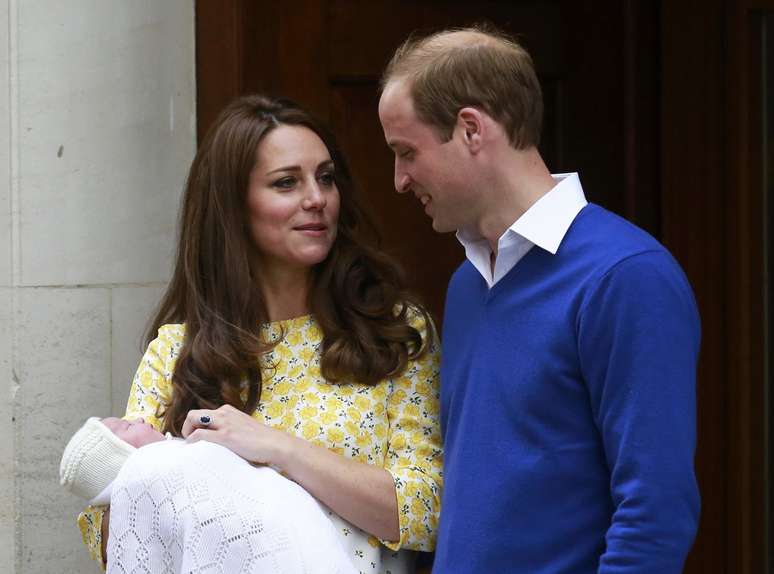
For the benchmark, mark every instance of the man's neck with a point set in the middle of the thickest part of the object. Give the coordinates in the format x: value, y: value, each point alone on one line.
x: 520, y: 180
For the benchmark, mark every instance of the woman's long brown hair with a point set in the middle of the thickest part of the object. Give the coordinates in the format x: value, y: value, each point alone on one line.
x: 357, y: 295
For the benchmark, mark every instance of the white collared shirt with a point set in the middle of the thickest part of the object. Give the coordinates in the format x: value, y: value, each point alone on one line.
x: 544, y: 224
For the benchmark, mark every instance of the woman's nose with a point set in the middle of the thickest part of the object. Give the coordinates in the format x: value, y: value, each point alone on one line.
x: 315, y: 198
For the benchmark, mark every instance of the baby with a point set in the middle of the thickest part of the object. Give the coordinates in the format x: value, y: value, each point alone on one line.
x: 96, y: 453
x: 198, y: 507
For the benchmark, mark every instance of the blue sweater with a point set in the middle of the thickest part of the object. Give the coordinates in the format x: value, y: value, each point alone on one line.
x: 568, y: 410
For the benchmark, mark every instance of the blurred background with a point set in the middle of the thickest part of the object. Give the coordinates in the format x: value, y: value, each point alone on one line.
x: 665, y: 108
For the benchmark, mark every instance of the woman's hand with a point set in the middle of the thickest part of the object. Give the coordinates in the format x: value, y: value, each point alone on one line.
x: 358, y: 492
x: 237, y: 431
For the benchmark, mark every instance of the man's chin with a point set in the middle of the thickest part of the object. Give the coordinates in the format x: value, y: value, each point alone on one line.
x: 440, y: 226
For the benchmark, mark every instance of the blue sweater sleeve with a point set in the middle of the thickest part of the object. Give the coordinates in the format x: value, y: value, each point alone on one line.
x: 638, y: 338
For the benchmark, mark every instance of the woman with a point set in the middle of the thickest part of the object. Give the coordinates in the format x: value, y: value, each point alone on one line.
x: 285, y: 338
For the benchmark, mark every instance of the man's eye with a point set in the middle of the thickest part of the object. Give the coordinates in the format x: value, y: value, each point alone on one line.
x: 285, y: 183
x: 406, y: 154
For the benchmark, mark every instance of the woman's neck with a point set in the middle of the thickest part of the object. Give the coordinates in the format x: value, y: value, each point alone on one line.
x: 286, y: 292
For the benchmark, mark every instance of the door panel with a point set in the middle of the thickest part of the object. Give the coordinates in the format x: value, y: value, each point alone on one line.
x: 632, y: 103
x: 428, y: 258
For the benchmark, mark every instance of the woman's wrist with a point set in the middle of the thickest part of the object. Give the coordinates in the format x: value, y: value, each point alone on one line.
x: 280, y: 453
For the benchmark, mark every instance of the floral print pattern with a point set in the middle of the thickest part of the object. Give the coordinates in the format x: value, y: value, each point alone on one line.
x: 393, y: 424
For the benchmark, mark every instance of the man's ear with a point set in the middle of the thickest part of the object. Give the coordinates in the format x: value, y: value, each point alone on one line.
x: 471, y: 126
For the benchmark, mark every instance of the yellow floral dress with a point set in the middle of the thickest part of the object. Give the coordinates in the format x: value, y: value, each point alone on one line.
x: 393, y: 424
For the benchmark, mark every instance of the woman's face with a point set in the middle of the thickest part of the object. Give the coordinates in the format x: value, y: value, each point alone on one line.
x: 292, y: 200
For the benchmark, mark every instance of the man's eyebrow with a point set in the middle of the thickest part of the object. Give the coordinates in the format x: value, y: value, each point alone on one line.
x: 392, y: 144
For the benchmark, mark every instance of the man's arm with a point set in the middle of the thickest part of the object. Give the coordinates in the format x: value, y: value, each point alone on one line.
x: 638, y: 336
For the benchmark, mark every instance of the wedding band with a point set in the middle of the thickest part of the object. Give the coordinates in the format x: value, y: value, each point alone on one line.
x: 205, y: 420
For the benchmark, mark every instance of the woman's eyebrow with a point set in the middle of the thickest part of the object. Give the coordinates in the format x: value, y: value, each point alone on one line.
x: 328, y: 163
x: 287, y: 168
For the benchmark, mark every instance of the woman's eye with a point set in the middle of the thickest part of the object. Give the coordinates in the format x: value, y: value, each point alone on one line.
x: 285, y: 183
x: 327, y: 179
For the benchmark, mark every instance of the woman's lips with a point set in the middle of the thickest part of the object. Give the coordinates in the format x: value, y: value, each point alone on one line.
x: 313, y: 229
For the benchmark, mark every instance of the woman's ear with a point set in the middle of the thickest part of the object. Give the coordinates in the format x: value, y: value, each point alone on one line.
x: 471, y: 124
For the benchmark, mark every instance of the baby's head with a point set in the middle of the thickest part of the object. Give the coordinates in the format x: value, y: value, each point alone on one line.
x: 98, y: 450
x: 136, y: 432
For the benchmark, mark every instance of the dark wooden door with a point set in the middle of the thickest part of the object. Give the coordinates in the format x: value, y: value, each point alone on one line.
x: 713, y: 219
x: 328, y: 56
x: 635, y: 94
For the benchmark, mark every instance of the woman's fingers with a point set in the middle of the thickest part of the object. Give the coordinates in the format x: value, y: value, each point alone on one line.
x: 202, y: 434
x: 198, y: 419
x: 237, y: 431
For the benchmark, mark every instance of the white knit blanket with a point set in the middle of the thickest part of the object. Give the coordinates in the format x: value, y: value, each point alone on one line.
x: 199, y: 508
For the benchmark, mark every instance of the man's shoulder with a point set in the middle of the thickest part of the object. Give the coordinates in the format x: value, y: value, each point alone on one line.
x: 605, y: 239
x: 614, y: 251
x: 599, y: 224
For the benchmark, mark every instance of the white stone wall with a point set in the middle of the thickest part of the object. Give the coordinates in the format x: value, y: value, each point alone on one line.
x: 97, y: 130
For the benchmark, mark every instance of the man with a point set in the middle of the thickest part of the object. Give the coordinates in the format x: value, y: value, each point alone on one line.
x: 570, y: 335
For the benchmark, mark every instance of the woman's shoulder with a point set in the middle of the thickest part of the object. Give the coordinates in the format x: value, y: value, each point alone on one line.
x: 420, y: 319
x: 415, y: 316
x: 171, y: 333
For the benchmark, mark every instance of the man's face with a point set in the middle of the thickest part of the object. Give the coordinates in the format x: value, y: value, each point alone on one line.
x: 434, y: 171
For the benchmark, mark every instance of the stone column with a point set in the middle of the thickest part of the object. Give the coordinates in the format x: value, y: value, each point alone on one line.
x: 97, y: 130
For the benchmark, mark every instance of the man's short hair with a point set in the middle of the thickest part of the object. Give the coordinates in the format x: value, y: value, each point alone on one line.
x: 479, y: 67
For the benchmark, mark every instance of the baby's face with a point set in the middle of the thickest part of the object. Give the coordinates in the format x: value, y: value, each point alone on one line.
x: 136, y: 432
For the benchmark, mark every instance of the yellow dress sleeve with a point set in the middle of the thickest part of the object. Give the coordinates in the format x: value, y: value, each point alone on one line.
x: 152, y: 383
x: 151, y: 387
x: 414, y: 453
x: 90, y: 525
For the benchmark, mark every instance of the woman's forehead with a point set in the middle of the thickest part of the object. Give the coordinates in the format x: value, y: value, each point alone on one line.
x: 290, y: 144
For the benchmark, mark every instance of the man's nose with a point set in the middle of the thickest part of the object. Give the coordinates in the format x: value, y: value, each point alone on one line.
x: 402, y: 181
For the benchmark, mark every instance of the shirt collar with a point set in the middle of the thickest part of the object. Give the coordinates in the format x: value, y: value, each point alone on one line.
x: 546, y: 222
